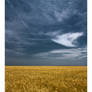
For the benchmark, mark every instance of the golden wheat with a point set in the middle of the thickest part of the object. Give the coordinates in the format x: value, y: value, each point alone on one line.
x: 45, y: 79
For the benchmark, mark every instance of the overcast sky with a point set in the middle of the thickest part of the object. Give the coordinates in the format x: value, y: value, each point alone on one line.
x: 46, y: 32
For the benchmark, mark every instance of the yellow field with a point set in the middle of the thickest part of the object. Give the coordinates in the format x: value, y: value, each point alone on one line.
x: 46, y: 79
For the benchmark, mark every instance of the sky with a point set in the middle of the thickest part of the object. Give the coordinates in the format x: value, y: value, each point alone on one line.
x: 46, y: 32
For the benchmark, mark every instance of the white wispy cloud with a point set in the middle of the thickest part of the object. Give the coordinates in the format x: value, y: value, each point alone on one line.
x: 71, y: 53
x: 64, y: 54
x: 67, y: 39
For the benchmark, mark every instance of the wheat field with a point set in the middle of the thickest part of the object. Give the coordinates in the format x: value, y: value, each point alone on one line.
x: 45, y: 79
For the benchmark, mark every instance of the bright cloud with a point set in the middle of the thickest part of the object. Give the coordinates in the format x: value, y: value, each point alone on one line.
x: 68, y: 39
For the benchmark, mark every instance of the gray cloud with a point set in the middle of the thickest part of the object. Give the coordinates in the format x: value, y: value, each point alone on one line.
x: 37, y: 30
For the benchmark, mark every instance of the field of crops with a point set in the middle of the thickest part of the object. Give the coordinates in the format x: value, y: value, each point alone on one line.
x: 45, y: 79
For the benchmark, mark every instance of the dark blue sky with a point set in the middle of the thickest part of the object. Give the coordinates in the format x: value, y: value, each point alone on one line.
x: 46, y: 32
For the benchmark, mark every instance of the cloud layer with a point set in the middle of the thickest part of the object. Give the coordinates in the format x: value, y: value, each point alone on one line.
x: 55, y: 29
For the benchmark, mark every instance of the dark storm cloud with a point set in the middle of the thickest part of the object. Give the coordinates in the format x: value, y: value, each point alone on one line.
x: 41, y: 26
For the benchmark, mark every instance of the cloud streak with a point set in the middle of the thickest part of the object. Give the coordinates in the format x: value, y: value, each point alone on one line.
x: 78, y: 55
